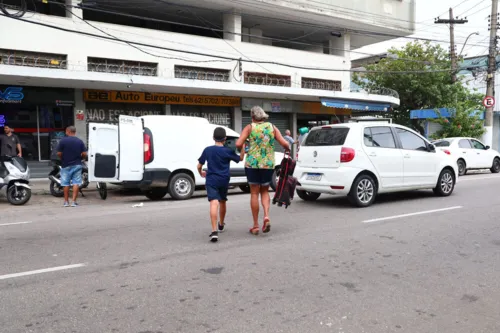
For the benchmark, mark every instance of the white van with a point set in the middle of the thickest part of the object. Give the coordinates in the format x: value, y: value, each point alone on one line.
x: 158, y: 154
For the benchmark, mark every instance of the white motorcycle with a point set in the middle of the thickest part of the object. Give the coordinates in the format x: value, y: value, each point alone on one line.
x: 15, y: 175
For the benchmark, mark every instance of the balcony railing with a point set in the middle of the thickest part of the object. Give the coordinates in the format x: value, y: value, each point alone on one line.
x: 33, y: 59
x: 309, y: 83
x: 268, y: 79
x: 198, y: 73
x: 121, y: 67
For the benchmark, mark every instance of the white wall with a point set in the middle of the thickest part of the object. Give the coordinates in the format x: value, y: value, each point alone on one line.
x: 35, y: 38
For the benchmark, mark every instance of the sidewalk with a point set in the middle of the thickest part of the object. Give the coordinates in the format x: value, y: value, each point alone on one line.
x: 41, y: 186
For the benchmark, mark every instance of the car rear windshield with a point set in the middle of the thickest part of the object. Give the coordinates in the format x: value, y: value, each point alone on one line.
x: 327, y: 136
x: 442, y: 143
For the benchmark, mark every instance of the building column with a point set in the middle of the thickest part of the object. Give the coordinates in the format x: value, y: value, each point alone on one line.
x: 79, y: 109
x: 167, y: 109
x: 232, y: 24
x: 294, y: 130
x: 341, y: 46
x: 238, y: 119
x: 77, y: 11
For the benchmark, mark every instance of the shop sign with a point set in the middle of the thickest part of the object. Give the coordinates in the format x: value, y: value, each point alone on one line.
x: 111, y: 116
x: 216, y: 118
x: 158, y: 98
x: 11, y: 95
x: 275, y: 106
x: 2, y: 120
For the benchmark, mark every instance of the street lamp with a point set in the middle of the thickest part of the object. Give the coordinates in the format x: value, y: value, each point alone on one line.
x: 466, y: 40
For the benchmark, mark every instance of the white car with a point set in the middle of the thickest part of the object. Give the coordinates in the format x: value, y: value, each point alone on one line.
x: 470, y: 154
x: 361, y: 160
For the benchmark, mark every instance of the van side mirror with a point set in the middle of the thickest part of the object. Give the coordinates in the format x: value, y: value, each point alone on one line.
x: 431, y: 148
x: 488, y: 147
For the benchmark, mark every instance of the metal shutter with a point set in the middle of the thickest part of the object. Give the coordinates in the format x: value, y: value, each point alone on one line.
x: 433, y: 128
x: 280, y: 120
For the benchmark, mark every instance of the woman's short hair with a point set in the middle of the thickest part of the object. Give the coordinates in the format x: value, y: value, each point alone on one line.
x: 258, y: 113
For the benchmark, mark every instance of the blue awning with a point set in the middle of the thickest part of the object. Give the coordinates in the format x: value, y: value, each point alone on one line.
x: 446, y: 113
x: 355, y: 105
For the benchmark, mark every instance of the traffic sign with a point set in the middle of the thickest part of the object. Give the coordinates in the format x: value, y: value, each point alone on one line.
x: 489, y: 101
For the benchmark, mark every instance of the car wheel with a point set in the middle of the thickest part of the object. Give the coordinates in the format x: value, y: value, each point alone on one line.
x: 156, y: 193
x: 245, y: 188
x: 462, y: 169
x: 445, y: 184
x: 495, y: 168
x: 308, y: 196
x: 363, y: 191
x: 274, y: 181
x: 181, y: 186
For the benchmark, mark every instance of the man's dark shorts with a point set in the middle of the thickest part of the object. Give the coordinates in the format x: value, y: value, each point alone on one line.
x: 217, y: 193
x: 262, y: 177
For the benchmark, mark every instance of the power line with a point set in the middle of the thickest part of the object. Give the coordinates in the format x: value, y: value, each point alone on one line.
x: 225, y: 57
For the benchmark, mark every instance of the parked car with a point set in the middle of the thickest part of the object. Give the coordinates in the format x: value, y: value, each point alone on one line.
x: 158, y: 154
x: 470, y: 154
x: 362, y: 160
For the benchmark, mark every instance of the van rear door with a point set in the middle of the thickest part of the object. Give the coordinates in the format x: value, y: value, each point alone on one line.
x: 116, y: 152
x: 103, y: 152
x: 322, y: 147
x: 131, y: 148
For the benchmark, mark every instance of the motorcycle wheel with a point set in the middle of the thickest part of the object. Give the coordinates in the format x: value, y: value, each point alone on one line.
x: 103, y: 190
x: 18, y: 195
x: 56, y: 190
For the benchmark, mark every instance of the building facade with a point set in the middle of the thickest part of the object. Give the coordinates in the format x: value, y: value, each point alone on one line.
x: 78, y: 62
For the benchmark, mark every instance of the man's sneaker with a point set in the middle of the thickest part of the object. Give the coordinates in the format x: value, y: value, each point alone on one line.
x: 214, y: 236
x: 74, y: 204
x: 66, y: 204
x: 221, y: 227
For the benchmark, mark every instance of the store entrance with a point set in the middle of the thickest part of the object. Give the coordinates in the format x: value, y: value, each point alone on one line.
x: 39, y: 127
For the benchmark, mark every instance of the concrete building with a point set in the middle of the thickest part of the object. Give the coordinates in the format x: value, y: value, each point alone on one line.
x: 72, y: 62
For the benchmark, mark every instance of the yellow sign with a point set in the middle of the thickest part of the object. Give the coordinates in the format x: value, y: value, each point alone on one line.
x: 157, y: 98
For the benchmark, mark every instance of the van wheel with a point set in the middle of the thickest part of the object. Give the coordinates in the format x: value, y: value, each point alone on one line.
x: 363, y: 191
x: 181, y: 186
x: 308, y: 196
x: 156, y: 193
x: 245, y: 188
x: 445, y: 184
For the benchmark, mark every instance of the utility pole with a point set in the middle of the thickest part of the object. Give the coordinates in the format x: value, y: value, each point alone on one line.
x: 490, y: 81
x: 453, y: 54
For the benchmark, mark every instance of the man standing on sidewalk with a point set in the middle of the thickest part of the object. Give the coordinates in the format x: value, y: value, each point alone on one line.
x: 71, y: 150
x: 288, y: 137
x: 10, y: 144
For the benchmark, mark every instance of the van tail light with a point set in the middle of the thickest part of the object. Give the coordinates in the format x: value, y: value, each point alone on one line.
x: 147, y: 148
x: 446, y: 151
x: 347, y: 155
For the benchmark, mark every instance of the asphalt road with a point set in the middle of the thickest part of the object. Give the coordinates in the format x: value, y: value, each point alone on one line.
x: 411, y: 263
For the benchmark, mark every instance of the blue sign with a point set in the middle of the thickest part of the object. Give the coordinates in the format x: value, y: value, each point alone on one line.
x: 11, y: 95
x: 2, y: 120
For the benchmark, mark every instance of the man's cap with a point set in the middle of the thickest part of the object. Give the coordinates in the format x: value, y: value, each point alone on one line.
x: 219, y: 134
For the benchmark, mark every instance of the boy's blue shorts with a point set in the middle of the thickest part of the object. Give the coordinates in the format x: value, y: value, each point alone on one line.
x: 217, y: 193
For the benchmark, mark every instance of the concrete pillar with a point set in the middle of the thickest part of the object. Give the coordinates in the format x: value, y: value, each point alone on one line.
x: 232, y: 24
x: 77, y: 11
x: 167, y: 109
x: 256, y: 33
x: 79, y: 108
x: 294, y: 130
x: 238, y: 119
x: 340, y: 46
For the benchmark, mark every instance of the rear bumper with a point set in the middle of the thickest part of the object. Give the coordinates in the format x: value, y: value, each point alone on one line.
x: 152, y: 178
x: 335, y: 181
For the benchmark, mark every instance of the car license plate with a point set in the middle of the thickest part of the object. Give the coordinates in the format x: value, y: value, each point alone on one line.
x: 314, y: 176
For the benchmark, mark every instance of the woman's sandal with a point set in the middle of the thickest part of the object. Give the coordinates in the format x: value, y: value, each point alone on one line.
x: 267, y: 225
x: 254, y: 231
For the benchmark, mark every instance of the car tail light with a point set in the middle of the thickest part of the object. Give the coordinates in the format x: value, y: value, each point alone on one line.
x: 446, y: 151
x: 147, y: 148
x: 297, y: 154
x: 347, y: 155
